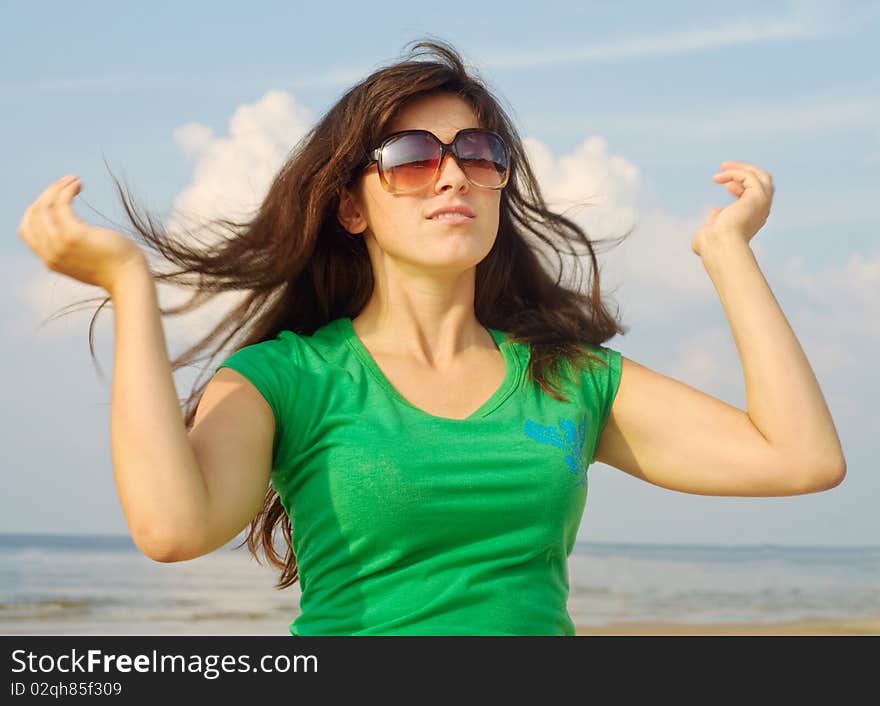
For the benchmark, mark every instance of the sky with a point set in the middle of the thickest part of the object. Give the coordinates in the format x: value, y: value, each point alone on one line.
x: 631, y: 107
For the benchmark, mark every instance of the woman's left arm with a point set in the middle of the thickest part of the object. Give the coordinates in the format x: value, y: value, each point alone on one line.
x: 674, y: 436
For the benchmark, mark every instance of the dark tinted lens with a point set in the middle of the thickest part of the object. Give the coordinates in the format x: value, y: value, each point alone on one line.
x: 409, y: 161
x: 483, y: 157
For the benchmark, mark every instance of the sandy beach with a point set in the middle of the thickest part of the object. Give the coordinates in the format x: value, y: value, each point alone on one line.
x: 802, y: 627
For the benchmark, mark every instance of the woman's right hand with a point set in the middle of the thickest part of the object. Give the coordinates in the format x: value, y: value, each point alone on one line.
x: 71, y: 247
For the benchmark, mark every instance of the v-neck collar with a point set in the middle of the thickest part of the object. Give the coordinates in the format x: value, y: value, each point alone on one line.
x: 512, y: 372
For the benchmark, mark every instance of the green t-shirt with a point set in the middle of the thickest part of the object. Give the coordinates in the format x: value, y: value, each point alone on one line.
x: 405, y: 523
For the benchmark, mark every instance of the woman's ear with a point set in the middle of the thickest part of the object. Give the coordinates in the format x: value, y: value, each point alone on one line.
x: 349, y: 213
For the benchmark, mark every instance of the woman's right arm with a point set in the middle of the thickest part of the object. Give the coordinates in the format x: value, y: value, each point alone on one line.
x: 183, y: 495
x: 161, y: 488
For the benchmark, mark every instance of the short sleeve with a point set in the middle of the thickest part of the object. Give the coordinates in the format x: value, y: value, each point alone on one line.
x: 269, y: 366
x: 604, y: 381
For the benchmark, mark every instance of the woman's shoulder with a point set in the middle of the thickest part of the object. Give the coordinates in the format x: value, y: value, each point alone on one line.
x: 291, y: 348
x: 591, y: 352
x: 328, y: 334
x: 604, y: 353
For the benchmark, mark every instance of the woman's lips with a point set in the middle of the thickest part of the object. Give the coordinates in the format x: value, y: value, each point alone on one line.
x: 451, y: 218
x: 450, y: 209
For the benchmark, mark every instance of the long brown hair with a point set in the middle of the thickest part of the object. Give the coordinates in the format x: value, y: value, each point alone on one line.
x: 301, y: 269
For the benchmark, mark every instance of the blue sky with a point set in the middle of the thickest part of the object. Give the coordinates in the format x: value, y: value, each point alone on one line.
x: 636, y: 105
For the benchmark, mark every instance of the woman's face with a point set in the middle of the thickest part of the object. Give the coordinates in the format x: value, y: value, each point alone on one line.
x: 402, y: 226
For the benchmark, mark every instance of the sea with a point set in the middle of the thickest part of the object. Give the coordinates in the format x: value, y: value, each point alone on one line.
x: 86, y: 585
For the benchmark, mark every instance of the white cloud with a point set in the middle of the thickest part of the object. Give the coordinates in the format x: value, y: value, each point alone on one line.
x: 233, y: 172
x: 653, y: 273
x: 230, y: 177
x: 193, y: 138
x: 598, y: 190
x: 588, y: 174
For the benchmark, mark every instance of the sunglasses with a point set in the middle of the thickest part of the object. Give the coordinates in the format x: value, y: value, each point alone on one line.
x: 409, y: 160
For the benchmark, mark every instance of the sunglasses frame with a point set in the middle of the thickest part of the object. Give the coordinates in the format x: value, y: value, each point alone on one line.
x: 450, y: 148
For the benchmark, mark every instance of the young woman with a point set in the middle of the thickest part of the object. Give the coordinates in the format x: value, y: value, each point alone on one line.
x: 413, y: 396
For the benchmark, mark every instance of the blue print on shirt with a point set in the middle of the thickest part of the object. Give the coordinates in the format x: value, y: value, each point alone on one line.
x: 570, y: 439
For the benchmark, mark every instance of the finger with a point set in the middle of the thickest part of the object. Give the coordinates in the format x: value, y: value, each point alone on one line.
x: 48, y: 215
x: 745, y: 177
x: 34, y: 228
x: 51, y: 192
x: 763, y: 176
x: 65, y: 218
x: 735, y: 188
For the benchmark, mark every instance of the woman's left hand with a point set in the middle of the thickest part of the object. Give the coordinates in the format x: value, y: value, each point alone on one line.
x: 753, y: 189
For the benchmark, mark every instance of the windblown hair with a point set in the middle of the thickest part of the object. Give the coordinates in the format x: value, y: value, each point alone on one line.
x: 301, y: 269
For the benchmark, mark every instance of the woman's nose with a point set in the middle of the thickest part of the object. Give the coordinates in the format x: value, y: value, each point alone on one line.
x: 450, y: 174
